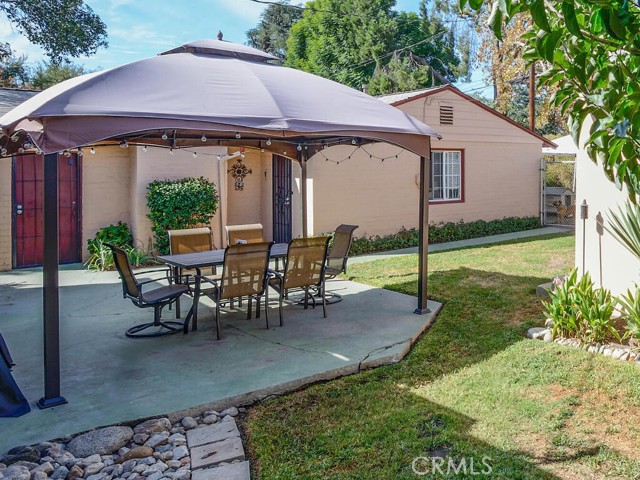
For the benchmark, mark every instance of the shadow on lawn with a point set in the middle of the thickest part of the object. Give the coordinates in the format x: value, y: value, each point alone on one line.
x: 372, y: 425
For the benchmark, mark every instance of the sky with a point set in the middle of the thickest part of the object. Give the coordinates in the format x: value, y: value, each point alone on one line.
x: 139, y: 29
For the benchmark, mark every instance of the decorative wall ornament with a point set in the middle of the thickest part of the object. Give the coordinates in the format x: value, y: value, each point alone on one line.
x: 238, y: 171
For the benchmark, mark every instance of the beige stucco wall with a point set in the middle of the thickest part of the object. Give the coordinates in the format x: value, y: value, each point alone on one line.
x: 500, y: 174
x: 610, y: 264
x: 105, y: 191
x: 5, y: 214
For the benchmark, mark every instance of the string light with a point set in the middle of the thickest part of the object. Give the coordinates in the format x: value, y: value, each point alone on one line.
x: 238, y: 135
x: 15, y: 137
x: 21, y: 150
x: 218, y: 157
x: 299, y: 148
x: 353, y: 141
x: 3, y: 152
x: 38, y: 151
x: 171, y: 150
x: 66, y: 153
x: 80, y: 154
x: 144, y: 148
x: 268, y: 141
x: 203, y: 138
x: 124, y: 144
x: 164, y: 135
x: 195, y: 154
x: 262, y: 150
x: 92, y: 151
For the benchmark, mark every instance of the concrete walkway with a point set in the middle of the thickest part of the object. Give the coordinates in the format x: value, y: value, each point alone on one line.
x: 472, y: 242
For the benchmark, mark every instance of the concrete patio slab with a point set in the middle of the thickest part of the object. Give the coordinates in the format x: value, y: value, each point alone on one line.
x: 108, y: 378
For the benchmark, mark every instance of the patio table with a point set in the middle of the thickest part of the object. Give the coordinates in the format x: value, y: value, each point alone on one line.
x: 210, y: 258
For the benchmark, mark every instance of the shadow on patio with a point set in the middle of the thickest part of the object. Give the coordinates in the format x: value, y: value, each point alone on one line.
x: 109, y: 378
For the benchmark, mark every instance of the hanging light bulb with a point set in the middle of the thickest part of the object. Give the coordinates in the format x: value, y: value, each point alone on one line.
x: 353, y: 141
x: 203, y: 138
x: 171, y: 150
x: 66, y: 153
x: 268, y: 141
x: 3, y: 151
x: 299, y: 148
x: 21, y: 150
x: 262, y: 150
x: 195, y: 154
x: 92, y: 151
x: 324, y: 146
x: 15, y: 137
x: 80, y: 154
x: 238, y: 135
x: 27, y: 145
x: 124, y: 144
x: 164, y: 135
x: 218, y: 157
x: 38, y: 151
x: 144, y: 149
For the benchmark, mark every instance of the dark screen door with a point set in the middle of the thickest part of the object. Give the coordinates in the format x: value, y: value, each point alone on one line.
x: 281, y: 199
x: 28, y: 240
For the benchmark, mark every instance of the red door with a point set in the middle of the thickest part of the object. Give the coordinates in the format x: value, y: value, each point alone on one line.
x: 28, y: 242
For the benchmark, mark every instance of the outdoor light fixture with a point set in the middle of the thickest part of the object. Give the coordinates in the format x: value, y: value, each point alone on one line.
x: 21, y: 150
x: 171, y: 150
x: 299, y: 148
x: 15, y: 137
x: 144, y: 149
x: 584, y: 210
x: 238, y: 135
x: 124, y: 144
x: 164, y: 135
x: 195, y: 154
x: 92, y: 151
x: 203, y: 138
x: 38, y: 151
x: 80, y: 152
x: 268, y: 141
x: 3, y: 152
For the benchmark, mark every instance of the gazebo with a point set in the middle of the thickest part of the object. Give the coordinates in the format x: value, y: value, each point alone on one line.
x: 203, y: 93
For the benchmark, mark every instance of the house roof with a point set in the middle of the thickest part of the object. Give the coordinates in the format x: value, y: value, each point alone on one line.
x: 565, y: 146
x: 398, y: 99
x: 12, y: 97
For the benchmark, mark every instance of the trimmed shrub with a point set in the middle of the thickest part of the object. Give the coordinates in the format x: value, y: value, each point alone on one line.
x: 443, y: 232
x: 178, y: 204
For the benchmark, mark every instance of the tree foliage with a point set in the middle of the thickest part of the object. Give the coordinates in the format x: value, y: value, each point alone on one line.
x: 592, y: 48
x: 62, y: 27
x: 271, y: 33
x: 351, y: 41
x: 14, y: 72
x: 47, y: 74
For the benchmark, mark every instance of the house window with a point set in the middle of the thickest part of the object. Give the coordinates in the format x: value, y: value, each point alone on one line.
x: 446, y: 176
x: 446, y: 114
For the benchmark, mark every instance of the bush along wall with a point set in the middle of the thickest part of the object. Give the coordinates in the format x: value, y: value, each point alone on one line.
x: 177, y: 204
x: 443, y: 232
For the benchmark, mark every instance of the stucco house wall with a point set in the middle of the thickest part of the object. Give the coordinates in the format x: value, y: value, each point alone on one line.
x: 608, y: 262
x: 5, y: 215
x: 500, y: 163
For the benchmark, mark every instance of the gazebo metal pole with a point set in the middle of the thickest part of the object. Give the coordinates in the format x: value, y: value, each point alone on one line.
x: 51, y: 301
x: 303, y: 156
x: 423, y: 246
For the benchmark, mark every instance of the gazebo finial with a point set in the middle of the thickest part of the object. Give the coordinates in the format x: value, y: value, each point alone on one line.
x: 219, y: 34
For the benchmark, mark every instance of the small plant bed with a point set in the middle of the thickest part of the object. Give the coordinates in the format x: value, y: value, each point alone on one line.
x: 472, y: 387
x: 442, y: 232
x: 583, y: 316
x: 100, y: 255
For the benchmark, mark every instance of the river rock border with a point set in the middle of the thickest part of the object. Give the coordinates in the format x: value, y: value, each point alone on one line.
x: 615, y: 351
x: 206, y: 447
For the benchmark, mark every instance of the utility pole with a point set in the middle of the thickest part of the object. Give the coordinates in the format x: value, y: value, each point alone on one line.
x: 532, y: 97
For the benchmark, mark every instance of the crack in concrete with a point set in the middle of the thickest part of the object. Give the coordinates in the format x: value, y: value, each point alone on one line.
x: 386, y: 347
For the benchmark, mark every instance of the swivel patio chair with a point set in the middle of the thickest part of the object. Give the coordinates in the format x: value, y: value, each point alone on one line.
x: 244, y: 274
x: 188, y: 240
x: 338, y: 256
x: 304, y: 269
x: 157, y: 298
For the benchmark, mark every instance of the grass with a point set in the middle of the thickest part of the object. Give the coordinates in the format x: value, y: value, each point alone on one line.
x: 472, y: 387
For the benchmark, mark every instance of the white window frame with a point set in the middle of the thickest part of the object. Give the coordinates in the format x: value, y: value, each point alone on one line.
x: 445, y: 183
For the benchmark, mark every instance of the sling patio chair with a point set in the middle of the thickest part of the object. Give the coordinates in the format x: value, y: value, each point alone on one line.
x: 244, y: 274
x: 189, y: 240
x: 338, y: 256
x: 157, y: 298
x: 249, y: 233
x: 304, y: 268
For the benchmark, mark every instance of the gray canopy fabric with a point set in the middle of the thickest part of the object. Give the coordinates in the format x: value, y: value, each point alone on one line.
x: 209, y: 86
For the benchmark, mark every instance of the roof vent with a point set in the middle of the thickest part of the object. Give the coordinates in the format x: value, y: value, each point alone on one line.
x: 446, y: 114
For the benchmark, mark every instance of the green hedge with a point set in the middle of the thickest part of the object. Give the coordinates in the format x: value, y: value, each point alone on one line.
x: 443, y: 232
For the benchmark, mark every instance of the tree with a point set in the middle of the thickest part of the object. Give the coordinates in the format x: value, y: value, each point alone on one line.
x: 271, y: 33
x: 593, y: 52
x: 61, y: 27
x: 351, y: 41
x: 47, y: 74
x: 14, y: 72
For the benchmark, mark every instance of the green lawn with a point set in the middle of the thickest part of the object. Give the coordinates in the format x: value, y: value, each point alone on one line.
x: 472, y: 387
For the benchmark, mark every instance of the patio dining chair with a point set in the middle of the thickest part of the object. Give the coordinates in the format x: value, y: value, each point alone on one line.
x: 338, y: 256
x: 157, y: 298
x: 244, y: 274
x: 304, y: 268
x: 249, y: 233
x: 188, y: 240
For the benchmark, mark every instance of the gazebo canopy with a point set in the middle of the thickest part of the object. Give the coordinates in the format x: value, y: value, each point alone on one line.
x: 233, y: 94
x: 203, y: 93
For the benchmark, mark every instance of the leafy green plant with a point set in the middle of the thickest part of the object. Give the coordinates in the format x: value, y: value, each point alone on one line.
x: 630, y: 304
x: 443, y: 232
x: 100, y: 256
x: 625, y: 227
x: 177, y: 204
x: 579, y: 310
